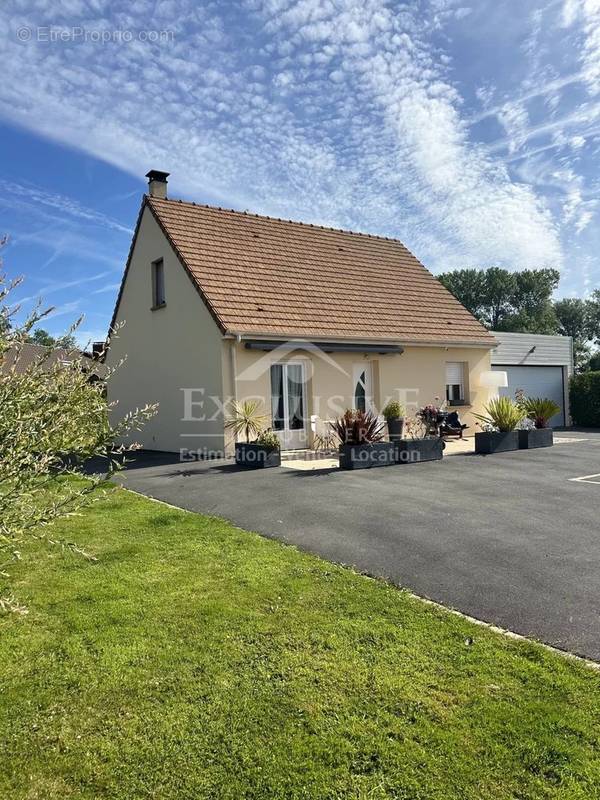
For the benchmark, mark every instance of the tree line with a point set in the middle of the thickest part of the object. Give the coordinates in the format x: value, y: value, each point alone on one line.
x: 37, y: 335
x: 521, y: 302
x: 41, y: 336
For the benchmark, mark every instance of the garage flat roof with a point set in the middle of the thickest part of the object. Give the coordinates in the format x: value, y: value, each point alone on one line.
x: 532, y: 349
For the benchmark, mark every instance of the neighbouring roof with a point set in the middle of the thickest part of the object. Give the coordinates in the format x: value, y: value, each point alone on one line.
x: 260, y: 275
x: 19, y: 358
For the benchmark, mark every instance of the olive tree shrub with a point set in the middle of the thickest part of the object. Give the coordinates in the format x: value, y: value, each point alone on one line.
x: 53, y: 419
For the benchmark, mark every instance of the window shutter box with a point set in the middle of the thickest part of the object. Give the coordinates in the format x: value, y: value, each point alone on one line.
x: 454, y: 373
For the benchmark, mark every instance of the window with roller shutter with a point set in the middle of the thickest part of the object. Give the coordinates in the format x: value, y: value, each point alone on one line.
x: 455, y: 382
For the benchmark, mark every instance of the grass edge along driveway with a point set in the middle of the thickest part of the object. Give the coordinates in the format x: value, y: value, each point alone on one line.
x: 196, y: 660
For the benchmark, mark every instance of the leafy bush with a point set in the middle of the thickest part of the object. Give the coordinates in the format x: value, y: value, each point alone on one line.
x: 269, y: 439
x: 358, y: 427
x: 394, y: 410
x: 540, y: 410
x: 584, y: 393
x: 53, y: 419
x: 502, y: 413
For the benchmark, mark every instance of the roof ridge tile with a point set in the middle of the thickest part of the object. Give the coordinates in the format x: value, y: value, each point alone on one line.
x: 278, y: 219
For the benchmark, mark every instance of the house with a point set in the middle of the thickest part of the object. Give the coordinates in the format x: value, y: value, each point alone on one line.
x: 222, y: 305
x: 23, y: 356
x: 538, y: 364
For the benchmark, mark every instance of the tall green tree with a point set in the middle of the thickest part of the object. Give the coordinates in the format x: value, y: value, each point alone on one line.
x: 503, y: 300
x: 532, y: 308
x: 41, y: 336
x: 573, y: 316
x: 468, y: 285
x: 593, y: 307
x: 499, y: 289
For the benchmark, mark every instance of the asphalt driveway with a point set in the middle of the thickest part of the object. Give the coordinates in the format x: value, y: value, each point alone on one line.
x: 509, y: 538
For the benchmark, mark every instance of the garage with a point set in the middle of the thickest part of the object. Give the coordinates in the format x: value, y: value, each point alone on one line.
x: 539, y: 365
x: 536, y: 382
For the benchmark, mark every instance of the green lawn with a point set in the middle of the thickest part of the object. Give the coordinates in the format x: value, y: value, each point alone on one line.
x: 195, y: 660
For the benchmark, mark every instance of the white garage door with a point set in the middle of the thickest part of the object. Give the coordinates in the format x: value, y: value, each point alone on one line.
x: 536, y: 382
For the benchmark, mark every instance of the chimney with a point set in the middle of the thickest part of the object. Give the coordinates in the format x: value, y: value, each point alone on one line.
x: 157, y: 183
x: 98, y: 349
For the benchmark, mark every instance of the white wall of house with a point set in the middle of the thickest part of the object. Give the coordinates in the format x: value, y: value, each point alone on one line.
x: 168, y: 350
x: 415, y: 377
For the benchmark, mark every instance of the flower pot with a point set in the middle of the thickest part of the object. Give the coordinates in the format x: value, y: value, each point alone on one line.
x: 414, y: 451
x: 536, y: 437
x: 395, y: 428
x: 365, y: 456
x: 496, y: 442
x: 256, y: 456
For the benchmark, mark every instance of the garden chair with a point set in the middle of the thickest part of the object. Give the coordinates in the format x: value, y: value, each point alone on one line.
x: 452, y: 426
x: 323, y: 437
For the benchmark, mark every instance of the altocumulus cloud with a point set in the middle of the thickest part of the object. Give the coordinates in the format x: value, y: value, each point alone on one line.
x: 342, y: 113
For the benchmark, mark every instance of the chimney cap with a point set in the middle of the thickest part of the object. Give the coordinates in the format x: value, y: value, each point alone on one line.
x: 157, y: 175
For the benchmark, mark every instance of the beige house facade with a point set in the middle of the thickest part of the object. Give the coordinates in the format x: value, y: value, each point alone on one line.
x: 220, y: 306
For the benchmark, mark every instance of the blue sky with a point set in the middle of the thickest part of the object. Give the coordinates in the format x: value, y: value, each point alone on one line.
x: 470, y: 131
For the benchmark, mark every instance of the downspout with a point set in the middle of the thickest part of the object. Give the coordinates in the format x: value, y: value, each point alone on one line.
x: 235, y: 342
x: 233, y: 365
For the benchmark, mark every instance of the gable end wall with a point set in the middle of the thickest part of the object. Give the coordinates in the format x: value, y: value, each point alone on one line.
x: 168, y: 349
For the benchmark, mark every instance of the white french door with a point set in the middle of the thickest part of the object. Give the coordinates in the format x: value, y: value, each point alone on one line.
x: 288, y: 404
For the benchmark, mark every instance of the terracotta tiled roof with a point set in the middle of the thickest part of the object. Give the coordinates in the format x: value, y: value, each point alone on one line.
x: 267, y: 276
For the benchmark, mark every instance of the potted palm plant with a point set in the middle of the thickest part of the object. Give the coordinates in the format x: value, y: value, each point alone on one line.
x: 394, y: 417
x: 501, y: 418
x: 360, y: 434
x: 540, y: 411
x: 262, y: 447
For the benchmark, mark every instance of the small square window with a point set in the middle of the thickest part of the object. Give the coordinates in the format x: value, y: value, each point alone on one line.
x: 158, y: 284
x: 455, y: 382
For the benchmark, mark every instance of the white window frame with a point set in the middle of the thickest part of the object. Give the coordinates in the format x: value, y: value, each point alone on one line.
x: 455, y: 377
x: 297, y: 437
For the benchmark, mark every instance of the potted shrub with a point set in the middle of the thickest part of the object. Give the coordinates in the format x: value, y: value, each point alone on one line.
x: 265, y: 451
x: 262, y: 447
x: 421, y: 445
x: 501, y: 418
x: 539, y: 411
x: 394, y: 417
x: 360, y: 434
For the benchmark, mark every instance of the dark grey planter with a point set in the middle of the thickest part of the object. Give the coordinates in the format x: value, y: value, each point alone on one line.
x: 537, y: 437
x: 496, y: 442
x: 395, y: 429
x: 414, y: 451
x: 365, y: 456
x: 256, y: 456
